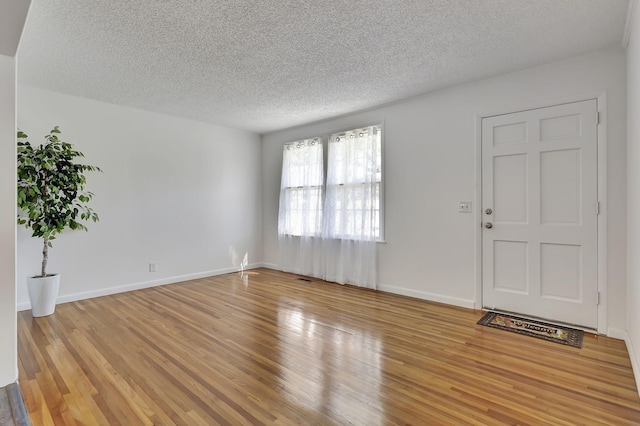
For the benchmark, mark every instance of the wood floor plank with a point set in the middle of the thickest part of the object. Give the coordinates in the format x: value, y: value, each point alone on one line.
x: 268, y: 349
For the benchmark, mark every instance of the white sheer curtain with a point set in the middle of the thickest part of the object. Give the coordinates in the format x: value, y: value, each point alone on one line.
x: 300, y: 215
x: 351, y: 224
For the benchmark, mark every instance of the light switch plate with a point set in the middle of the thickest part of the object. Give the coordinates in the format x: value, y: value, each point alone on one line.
x: 464, y: 207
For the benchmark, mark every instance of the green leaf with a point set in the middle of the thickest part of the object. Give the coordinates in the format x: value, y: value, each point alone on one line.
x: 51, y: 186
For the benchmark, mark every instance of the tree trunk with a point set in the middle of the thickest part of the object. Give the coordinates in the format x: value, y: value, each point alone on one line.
x: 45, y: 257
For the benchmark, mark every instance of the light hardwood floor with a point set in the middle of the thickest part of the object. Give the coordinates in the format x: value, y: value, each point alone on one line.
x: 270, y: 349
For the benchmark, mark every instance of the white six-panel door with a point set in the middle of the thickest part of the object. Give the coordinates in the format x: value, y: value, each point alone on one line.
x: 539, y: 213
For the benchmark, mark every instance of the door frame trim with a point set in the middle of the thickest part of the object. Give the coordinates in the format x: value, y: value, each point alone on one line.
x: 601, y: 102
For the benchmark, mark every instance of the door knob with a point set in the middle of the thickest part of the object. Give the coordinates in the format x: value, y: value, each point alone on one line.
x: 488, y: 225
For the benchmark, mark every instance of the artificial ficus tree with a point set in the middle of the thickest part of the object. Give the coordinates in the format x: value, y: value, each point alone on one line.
x: 51, y: 189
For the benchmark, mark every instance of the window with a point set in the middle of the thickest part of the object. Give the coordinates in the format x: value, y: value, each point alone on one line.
x: 301, y: 188
x: 351, y: 208
x: 354, y: 185
x: 348, y: 221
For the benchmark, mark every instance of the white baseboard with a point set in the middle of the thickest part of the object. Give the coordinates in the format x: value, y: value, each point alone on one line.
x: 23, y: 306
x: 269, y: 266
x: 432, y: 297
x: 465, y: 303
x: 617, y: 333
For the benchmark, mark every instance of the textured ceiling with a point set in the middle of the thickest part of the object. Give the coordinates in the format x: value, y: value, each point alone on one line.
x: 267, y: 65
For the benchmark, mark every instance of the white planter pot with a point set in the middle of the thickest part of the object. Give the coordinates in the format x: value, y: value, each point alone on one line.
x: 43, y: 292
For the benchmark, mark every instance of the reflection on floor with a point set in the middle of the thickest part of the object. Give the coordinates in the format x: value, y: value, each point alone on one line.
x: 266, y: 348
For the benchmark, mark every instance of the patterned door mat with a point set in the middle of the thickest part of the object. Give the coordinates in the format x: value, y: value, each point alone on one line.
x: 541, y: 330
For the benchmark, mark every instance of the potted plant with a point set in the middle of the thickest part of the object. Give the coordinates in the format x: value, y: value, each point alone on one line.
x: 51, y: 198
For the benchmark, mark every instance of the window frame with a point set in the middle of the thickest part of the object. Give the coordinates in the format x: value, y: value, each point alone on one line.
x: 290, y: 189
x: 324, y: 141
x: 380, y: 238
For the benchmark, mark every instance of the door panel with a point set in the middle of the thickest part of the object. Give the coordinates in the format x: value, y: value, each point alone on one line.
x: 510, y: 270
x: 539, y: 180
x: 560, y: 187
x: 510, y: 188
x: 560, y: 266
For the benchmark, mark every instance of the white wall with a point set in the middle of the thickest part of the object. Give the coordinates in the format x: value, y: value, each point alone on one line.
x: 14, y: 13
x: 430, y: 165
x: 633, y: 194
x: 8, y: 330
x: 184, y: 194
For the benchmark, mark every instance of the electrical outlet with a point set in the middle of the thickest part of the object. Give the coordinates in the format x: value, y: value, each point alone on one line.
x: 464, y: 207
x: 152, y: 266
